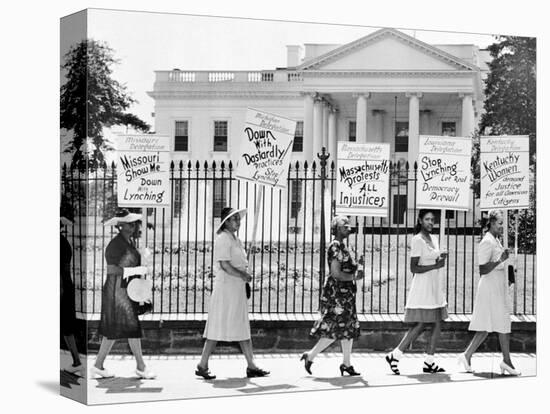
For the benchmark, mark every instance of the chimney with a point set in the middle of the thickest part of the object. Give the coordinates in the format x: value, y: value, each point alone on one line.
x: 293, y: 53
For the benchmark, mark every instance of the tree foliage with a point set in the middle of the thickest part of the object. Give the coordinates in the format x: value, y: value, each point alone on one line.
x: 91, y: 100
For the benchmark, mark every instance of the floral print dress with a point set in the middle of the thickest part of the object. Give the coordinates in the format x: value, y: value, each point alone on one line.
x: 338, y: 311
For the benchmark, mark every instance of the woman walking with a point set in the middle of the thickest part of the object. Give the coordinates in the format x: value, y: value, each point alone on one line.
x: 67, y: 303
x: 228, y: 312
x: 492, y: 302
x: 338, y: 313
x: 426, y: 304
x: 119, y: 314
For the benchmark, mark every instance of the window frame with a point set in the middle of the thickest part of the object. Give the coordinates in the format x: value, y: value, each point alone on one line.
x: 174, y: 121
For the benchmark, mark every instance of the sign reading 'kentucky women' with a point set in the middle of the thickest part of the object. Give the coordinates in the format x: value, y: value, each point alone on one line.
x: 444, y: 172
x: 266, y: 147
x: 363, y: 178
x: 504, y: 172
x: 143, y: 163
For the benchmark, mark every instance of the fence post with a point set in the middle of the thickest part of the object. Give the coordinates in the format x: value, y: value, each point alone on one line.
x: 323, y: 156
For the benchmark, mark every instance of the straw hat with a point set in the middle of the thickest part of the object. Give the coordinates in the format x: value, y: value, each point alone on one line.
x: 227, y: 212
x: 122, y: 216
x: 140, y: 290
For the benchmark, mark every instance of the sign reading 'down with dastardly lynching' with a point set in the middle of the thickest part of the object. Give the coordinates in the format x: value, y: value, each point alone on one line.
x: 504, y: 170
x: 143, y: 164
x: 443, y: 177
x: 363, y: 177
x: 265, y: 149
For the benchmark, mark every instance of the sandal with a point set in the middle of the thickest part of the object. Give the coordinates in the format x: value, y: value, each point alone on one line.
x: 256, y: 372
x: 393, y: 364
x: 432, y: 368
x: 349, y: 369
x: 307, y: 363
x: 204, y: 372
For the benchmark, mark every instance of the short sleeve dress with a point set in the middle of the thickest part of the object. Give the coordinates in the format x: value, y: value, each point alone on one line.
x: 119, y: 314
x: 492, y: 305
x: 337, y: 307
x: 67, y: 304
x: 427, y: 300
x: 228, y: 311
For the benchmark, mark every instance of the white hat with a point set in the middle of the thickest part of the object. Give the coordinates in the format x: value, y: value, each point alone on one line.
x: 227, y: 212
x: 123, y: 216
x: 140, y: 290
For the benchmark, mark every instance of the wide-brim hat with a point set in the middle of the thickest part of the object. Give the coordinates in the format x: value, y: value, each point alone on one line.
x: 140, y: 290
x: 227, y: 213
x: 123, y: 216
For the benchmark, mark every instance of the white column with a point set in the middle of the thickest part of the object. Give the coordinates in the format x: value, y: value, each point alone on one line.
x: 361, y: 117
x: 326, y: 111
x: 332, y: 134
x: 414, y: 124
x: 378, y: 116
x: 308, y: 124
x: 468, y: 119
x: 317, y: 127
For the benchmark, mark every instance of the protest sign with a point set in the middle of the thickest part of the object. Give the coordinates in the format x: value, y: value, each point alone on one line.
x: 444, y: 172
x: 143, y: 164
x: 362, y: 179
x: 265, y: 149
x: 504, y: 172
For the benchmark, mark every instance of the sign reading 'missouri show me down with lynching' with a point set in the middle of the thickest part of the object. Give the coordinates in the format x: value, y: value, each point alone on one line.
x: 265, y: 148
x: 443, y: 180
x: 504, y: 172
x: 143, y: 164
x: 363, y: 177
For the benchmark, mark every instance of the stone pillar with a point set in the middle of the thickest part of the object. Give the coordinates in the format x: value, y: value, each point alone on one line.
x: 326, y: 111
x: 308, y: 124
x: 468, y: 119
x: 332, y: 134
x: 378, y: 116
x: 414, y: 124
x: 317, y: 128
x: 361, y: 117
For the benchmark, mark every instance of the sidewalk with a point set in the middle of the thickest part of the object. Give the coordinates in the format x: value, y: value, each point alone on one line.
x: 176, y: 378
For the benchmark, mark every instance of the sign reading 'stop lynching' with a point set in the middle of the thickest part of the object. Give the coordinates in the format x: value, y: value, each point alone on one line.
x: 443, y: 177
x: 504, y: 172
x: 362, y: 179
x: 143, y: 164
x: 265, y: 148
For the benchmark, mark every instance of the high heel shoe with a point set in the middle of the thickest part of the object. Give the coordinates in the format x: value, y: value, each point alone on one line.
x: 461, y: 360
x: 392, y: 361
x: 432, y: 368
x: 349, y: 369
x: 204, y: 372
x: 307, y: 363
x: 504, y: 367
x: 256, y: 372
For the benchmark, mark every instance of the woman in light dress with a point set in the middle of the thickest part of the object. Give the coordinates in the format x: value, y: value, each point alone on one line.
x: 492, y: 302
x: 426, y: 303
x: 228, y: 312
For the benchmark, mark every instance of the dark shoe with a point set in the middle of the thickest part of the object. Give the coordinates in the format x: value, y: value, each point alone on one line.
x: 432, y: 368
x: 256, y: 372
x: 307, y: 363
x: 393, y: 363
x: 349, y: 369
x: 204, y: 372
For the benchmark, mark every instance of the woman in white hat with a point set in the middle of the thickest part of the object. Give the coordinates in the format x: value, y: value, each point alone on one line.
x: 492, y: 303
x: 119, y: 314
x: 228, y: 312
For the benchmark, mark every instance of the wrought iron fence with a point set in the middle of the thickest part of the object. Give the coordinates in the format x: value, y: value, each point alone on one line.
x: 288, y: 260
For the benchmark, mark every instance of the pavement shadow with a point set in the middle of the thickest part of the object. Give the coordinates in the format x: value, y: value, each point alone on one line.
x: 344, y: 382
x: 123, y: 385
x: 430, y: 378
x: 244, y: 384
x: 67, y: 379
x: 486, y: 375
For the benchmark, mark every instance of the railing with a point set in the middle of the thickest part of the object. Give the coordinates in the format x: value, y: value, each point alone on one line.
x: 288, y: 262
x: 265, y: 76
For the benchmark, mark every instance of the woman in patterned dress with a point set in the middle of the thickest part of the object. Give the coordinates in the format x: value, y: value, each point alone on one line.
x: 338, y: 313
x: 119, y: 314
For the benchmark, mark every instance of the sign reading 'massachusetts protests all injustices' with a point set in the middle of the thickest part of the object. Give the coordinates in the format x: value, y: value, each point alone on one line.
x: 266, y: 148
x: 504, y: 172
x: 143, y: 164
x: 443, y: 180
x: 363, y: 177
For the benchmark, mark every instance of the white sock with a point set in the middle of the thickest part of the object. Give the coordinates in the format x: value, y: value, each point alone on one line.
x: 429, y: 359
x: 397, y: 354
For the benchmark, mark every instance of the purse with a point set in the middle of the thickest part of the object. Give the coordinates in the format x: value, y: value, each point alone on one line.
x: 511, y: 275
x: 248, y: 290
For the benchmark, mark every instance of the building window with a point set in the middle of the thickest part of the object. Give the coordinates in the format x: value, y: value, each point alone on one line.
x: 352, y: 137
x: 448, y: 129
x: 298, y: 145
x: 401, y: 136
x: 219, y: 197
x: 181, y: 136
x: 295, y: 198
x: 220, y: 135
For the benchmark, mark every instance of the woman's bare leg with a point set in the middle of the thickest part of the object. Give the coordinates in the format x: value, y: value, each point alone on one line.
x: 504, y: 340
x: 410, y: 336
x: 347, y: 345
x: 319, y: 347
x: 246, y: 347
x: 104, y: 349
x: 436, y: 333
x: 135, y: 346
x: 208, y: 348
x: 477, y: 340
x: 71, y: 344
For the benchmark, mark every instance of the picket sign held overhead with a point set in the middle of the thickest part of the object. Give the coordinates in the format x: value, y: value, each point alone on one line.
x: 362, y: 179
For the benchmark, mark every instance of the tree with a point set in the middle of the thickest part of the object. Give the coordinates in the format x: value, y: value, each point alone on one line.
x: 92, y: 100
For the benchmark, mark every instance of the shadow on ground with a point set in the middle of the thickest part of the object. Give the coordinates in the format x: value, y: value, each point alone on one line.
x: 123, y: 385
x: 344, y: 382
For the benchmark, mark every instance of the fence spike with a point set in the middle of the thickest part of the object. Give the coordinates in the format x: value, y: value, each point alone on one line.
x: 113, y: 165
x: 416, y: 165
x: 223, y: 166
x: 213, y: 165
x: 172, y: 165
x: 398, y: 166
x: 407, y: 165
x: 297, y: 165
x: 189, y: 164
x: 230, y: 165
x: 198, y: 164
x: 181, y: 165
x: 205, y: 165
x: 313, y: 165
x: 305, y: 165
x: 332, y: 165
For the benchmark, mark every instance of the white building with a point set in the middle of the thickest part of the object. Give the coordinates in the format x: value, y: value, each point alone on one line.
x: 384, y: 87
